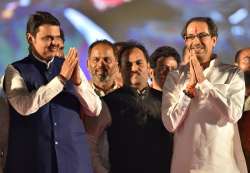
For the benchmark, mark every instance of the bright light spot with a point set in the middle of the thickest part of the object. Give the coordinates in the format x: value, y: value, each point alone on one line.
x: 105, y: 4
x: 237, y: 30
x: 86, y: 27
x: 238, y: 16
x: 217, y: 16
x: 8, y: 12
x: 24, y: 3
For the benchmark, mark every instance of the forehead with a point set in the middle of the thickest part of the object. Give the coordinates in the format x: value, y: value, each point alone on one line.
x: 245, y: 53
x: 102, y: 50
x: 197, y: 27
x: 47, y: 29
x: 169, y: 61
x: 135, y: 55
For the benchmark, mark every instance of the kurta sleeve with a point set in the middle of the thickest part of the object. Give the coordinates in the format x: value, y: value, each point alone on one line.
x: 95, y: 127
x: 24, y: 101
x: 88, y: 98
x: 174, y: 102
x: 227, y: 99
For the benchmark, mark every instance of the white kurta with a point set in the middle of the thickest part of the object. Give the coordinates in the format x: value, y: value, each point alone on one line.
x: 16, y: 90
x: 206, y: 137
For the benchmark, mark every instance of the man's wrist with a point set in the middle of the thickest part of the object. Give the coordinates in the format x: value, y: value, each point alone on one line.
x: 190, y: 90
x: 188, y: 93
x: 200, y: 80
x: 78, y: 83
x: 62, y: 79
x: 190, y: 86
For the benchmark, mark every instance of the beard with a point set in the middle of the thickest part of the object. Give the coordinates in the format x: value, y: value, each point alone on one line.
x: 102, y: 75
x: 104, y: 78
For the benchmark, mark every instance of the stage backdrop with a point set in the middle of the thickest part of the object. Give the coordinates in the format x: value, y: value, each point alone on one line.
x: 151, y: 22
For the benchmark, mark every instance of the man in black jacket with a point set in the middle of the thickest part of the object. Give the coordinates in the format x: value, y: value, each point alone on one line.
x: 131, y: 115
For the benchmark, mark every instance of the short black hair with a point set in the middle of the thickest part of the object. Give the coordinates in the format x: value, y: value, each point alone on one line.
x: 120, y: 44
x: 212, y: 27
x: 127, y: 49
x: 103, y: 41
x: 40, y: 18
x: 62, y: 35
x: 164, y: 51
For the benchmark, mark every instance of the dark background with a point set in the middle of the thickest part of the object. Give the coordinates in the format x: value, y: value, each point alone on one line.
x: 151, y: 22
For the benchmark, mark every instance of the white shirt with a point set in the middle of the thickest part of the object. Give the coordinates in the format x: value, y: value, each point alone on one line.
x: 97, y: 136
x: 25, y: 102
x: 100, y: 147
x: 206, y: 137
x: 102, y: 93
x: 247, y: 104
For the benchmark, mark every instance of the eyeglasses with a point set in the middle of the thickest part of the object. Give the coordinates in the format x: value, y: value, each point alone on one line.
x: 245, y: 60
x: 200, y: 36
x: 50, y: 38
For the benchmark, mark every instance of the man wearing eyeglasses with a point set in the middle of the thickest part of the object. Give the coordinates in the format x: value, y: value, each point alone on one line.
x: 202, y: 103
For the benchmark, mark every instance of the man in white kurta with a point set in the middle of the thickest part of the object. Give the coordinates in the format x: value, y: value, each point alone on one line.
x: 202, y: 103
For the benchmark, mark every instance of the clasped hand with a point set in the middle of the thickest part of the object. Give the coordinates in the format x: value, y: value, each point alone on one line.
x: 196, y: 70
x: 71, y: 68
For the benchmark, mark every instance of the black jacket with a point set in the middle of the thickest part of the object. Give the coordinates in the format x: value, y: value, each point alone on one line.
x: 138, y: 141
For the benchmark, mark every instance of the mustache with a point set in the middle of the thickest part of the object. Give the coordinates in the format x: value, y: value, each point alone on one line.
x: 197, y: 47
x: 101, y: 69
x: 134, y: 72
x: 53, y: 47
x: 104, y: 71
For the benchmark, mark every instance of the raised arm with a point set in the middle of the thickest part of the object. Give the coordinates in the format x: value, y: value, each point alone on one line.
x: 88, y: 98
x: 174, y: 102
x: 27, y: 102
x: 23, y: 101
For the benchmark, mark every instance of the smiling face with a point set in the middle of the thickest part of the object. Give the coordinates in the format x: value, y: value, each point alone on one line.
x: 198, y: 40
x: 135, y: 69
x: 45, y: 43
x: 102, y: 63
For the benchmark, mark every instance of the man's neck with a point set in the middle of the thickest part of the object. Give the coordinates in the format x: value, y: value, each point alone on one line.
x: 42, y: 60
x: 104, y: 86
x: 37, y: 56
x: 206, y: 64
x: 156, y: 86
x: 139, y: 88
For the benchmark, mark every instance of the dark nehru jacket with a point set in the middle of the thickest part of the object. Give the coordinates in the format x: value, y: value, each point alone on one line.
x: 138, y: 141
x: 52, y: 139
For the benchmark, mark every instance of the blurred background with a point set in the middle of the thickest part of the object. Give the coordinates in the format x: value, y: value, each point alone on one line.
x: 151, y: 22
